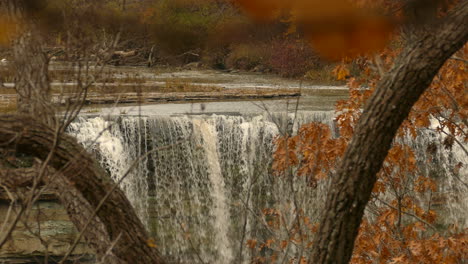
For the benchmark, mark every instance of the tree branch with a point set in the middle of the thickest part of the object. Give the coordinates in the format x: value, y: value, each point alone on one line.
x: 383, y: 114
x: 77, y: 208
x: 93, y: 183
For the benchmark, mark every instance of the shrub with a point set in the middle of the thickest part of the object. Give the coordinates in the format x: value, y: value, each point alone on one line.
x: 323, y: 75
x: 248, y: 56
x: 181, y: 26
x: 292, y: 58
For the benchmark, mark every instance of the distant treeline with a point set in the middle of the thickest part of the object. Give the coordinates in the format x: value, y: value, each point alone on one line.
x: 176, y: 32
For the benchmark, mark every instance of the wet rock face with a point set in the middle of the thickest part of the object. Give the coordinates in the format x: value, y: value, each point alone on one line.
x: 47, y: 221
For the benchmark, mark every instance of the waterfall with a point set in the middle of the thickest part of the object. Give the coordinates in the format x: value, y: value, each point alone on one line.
x: 98, y: 136
x: 218, y: 192
x: 447, y: 164
x: 208, y: 177
x: 204, y: 178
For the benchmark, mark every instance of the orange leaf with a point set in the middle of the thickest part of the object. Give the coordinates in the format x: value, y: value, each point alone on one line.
x: 150, y: 242
x: 283, y: 244
x: 356, y: 35
x: 341, y: 72
x: 251, y: 243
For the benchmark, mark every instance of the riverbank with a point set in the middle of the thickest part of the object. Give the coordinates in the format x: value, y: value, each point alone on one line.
x: 130, y: 85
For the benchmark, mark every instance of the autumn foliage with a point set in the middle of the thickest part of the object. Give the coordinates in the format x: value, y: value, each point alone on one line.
x: 8, y: 28
x: 404, y: 221
x: 335, y: 28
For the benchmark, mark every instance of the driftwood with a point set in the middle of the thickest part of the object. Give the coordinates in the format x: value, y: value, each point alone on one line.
x: 124, y: 54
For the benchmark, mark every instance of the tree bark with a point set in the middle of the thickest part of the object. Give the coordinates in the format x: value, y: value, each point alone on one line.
x: 79, y: 210
x: 71, y: 160
x: 387, y: 108
x: 30, y: 64
x: 80, y: 183
x: 32, y: 84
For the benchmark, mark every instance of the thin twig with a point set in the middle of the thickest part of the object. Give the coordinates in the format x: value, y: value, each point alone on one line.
x: 104, y: 199
x: 407, y: 213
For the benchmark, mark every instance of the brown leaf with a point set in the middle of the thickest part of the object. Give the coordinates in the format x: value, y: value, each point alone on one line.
x: 251, y: 243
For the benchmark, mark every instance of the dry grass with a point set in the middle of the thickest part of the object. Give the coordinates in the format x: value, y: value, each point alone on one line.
x: 323, y: 76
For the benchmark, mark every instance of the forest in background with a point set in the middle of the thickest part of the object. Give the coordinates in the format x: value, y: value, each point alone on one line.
x: 215, y: 34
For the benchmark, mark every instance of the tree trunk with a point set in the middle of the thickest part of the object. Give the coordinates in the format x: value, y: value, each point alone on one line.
x: 30, y: 64
x: 80, y: 211
x: 390, y: 104
x: 77, y: 208
x: 72, y: 161
x: 80, y: 183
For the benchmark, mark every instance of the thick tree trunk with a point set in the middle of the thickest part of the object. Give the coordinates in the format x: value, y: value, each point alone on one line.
x: 80, y: 211
x: 71, y: 160
x: 391, y: 103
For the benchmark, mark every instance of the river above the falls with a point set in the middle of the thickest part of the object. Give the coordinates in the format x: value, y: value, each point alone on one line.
x: 319, y: 102
x: 313, y: 97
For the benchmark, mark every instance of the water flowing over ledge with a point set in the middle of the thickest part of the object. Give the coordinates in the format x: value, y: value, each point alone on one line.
x: 205, y: 186
x: 202, y: 195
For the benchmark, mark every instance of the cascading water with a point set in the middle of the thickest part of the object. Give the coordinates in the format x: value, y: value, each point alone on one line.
x: 204, y: 178
x: 447, y: 164
x: 116, y: 156
x: 218, y: 192
x: 203, y: 187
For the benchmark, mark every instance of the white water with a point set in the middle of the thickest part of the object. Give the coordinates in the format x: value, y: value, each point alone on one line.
x: 218, y: 192
x: 209, y: 177
x: 115, y: 155
x: 453, y: 161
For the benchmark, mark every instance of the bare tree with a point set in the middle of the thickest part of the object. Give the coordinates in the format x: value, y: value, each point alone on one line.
x: 94, y: 203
